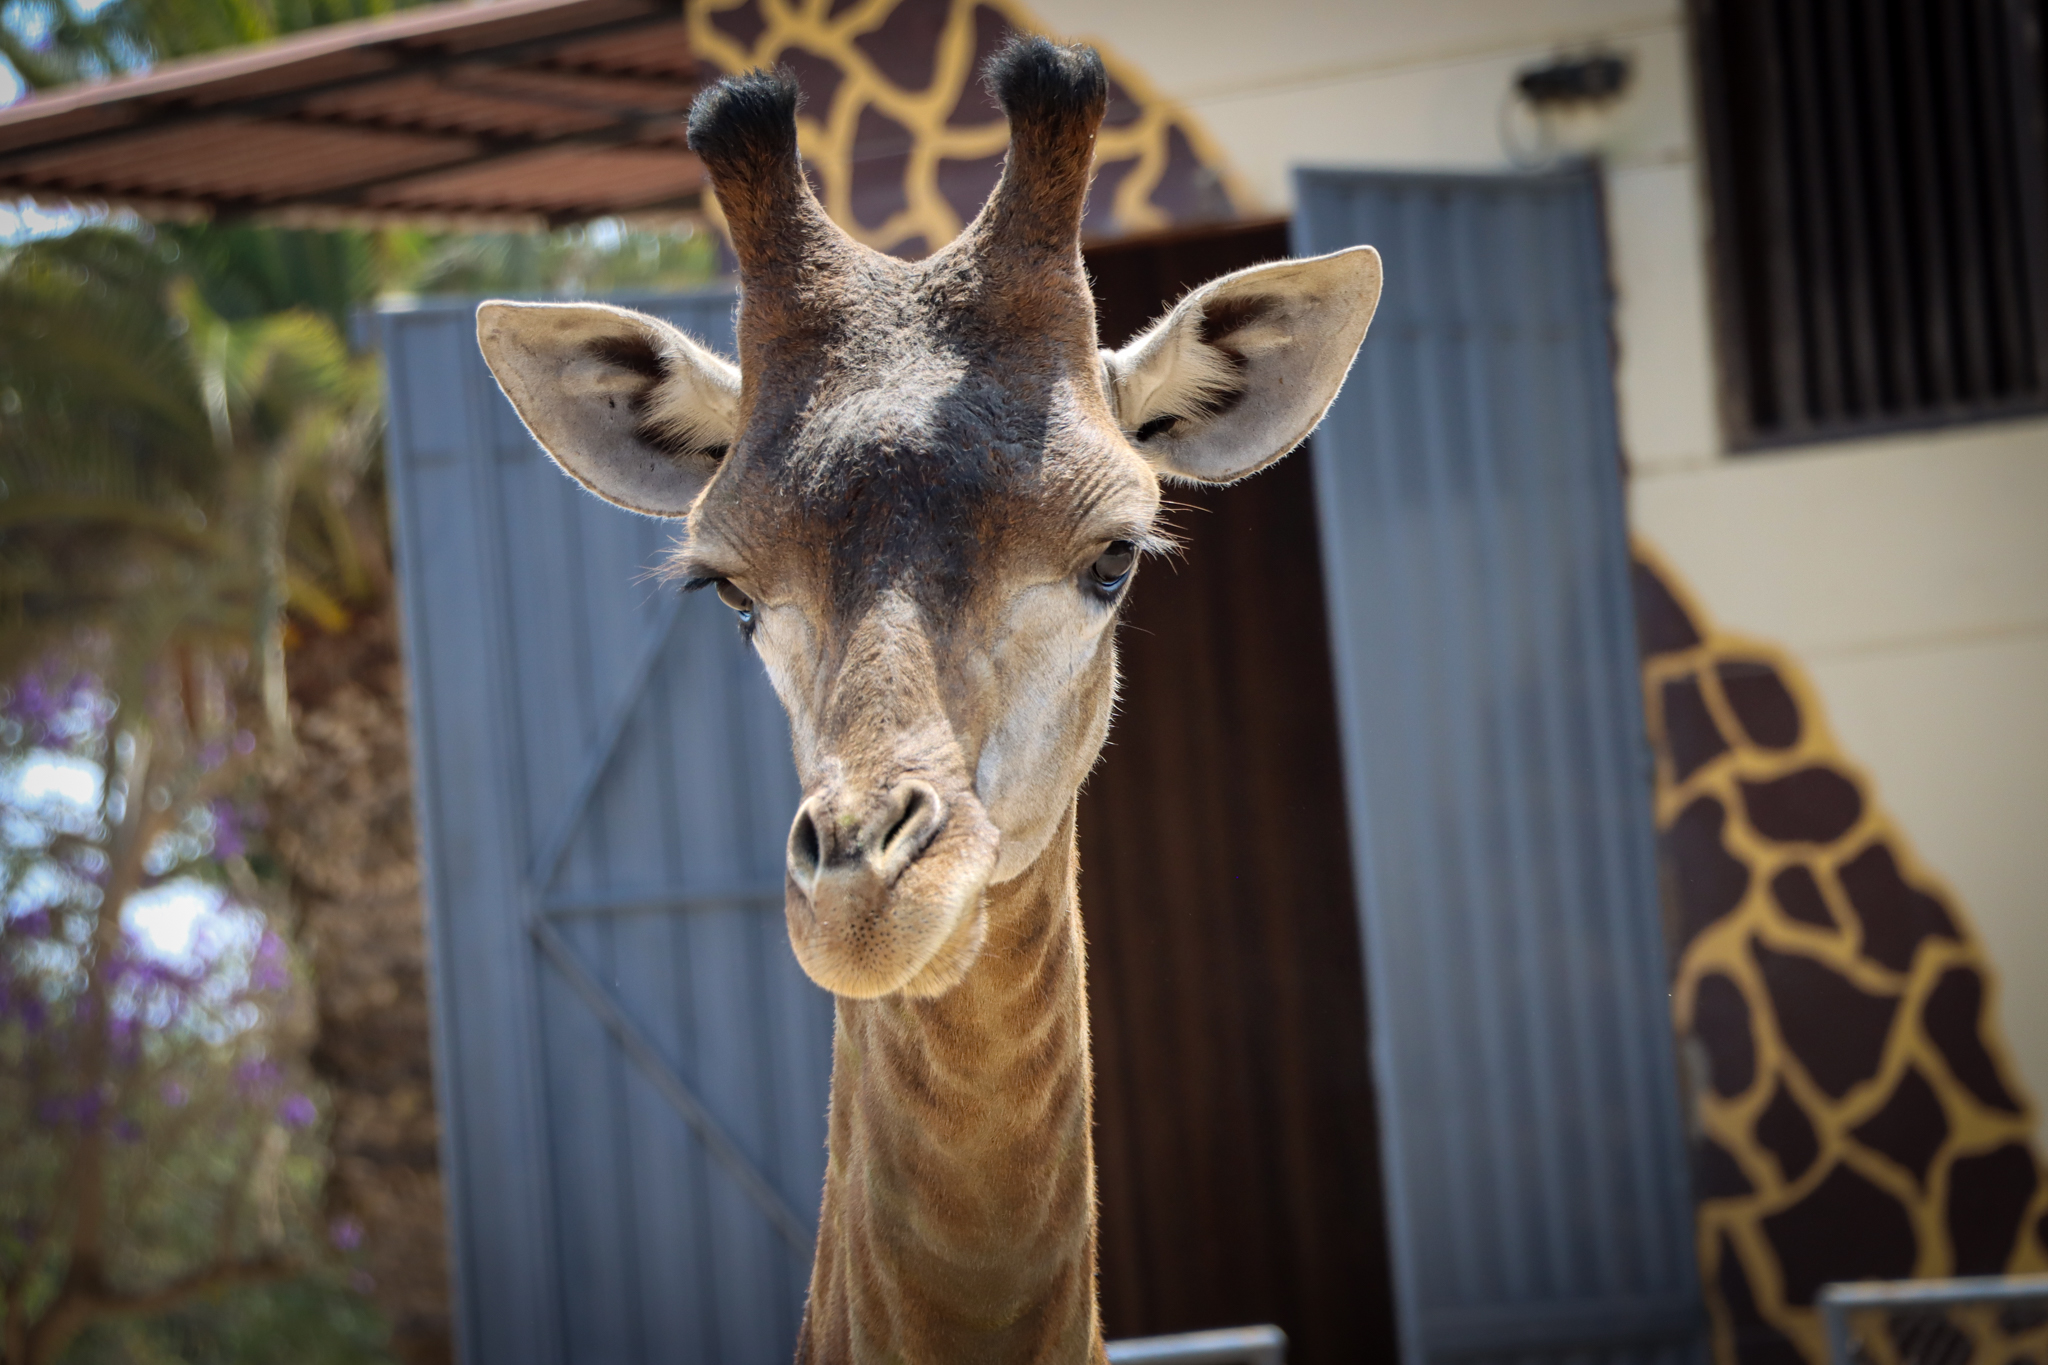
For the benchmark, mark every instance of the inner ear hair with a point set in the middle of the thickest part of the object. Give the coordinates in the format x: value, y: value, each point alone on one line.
x: 629, y: 351
x: 1224, y: 318
x: 631, y: 407
x: 1183, y: 374
x: 1227, y: 329
x: 1242, y: 369
x: 671, y: 420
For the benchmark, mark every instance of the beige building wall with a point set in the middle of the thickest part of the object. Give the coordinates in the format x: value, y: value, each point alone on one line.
x: 1909, y: 574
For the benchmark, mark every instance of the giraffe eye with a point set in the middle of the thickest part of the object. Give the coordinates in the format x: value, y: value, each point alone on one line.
x: 1113, y: 566
x: 737, y: 600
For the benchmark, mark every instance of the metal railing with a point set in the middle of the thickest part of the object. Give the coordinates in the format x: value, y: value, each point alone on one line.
x: 1991, y: 1320
x: 1230, y: 1346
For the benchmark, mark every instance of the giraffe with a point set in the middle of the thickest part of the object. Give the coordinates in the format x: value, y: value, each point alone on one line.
x: 1855, y: 1114
x: 902, y: 141
x: 925, y: 492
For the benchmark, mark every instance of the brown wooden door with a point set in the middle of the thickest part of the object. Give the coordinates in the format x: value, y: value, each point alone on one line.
x: 1238, y: 1160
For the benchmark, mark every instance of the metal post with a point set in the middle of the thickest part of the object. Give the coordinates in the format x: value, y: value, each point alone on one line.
x: 1263, y: 1345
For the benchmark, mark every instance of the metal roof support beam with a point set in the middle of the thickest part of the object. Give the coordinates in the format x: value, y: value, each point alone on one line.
x: 156, y: 115
x: 495, y: 148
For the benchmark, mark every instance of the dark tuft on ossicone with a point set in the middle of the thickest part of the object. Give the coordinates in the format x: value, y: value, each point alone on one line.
x: 746, y: 120
x: 1034, y: 78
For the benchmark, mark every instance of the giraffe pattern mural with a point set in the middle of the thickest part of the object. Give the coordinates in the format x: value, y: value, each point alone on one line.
x: 902, y: 142
x: 1854, y: 1112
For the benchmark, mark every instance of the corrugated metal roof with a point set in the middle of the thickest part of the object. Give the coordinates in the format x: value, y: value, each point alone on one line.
x: 512, y: 112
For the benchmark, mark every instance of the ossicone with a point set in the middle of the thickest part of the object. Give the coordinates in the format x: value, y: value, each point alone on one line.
x: 1054, y: 97
x: 1036, y: 80
x: 745, y: 129
x: 746, y: 123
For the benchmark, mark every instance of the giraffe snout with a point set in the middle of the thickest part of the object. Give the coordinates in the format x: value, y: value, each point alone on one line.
x: 885, y: 885
x: 834, y: 841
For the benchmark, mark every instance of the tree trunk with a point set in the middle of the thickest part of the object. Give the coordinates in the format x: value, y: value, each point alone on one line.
x: 343, y: 825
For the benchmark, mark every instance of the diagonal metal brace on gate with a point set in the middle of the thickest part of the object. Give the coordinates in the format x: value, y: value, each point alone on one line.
x: 641, y: 1050
x: 632, y: 1040
x: 556, y: 846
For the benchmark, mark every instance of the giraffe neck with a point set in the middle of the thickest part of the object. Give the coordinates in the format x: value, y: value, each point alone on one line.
x: 959, y: 1212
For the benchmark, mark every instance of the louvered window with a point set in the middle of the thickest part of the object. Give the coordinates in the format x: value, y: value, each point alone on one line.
x: 1881, y: 251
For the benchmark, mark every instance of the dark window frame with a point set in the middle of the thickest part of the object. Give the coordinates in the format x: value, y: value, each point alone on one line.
x: 1839, y: 351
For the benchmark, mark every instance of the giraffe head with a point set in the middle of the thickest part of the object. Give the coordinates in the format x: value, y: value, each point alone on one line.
x: 924, y: 491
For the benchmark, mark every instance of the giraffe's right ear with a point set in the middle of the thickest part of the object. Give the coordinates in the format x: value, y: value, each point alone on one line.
x: 1242, y: 369
x: 631, y: 408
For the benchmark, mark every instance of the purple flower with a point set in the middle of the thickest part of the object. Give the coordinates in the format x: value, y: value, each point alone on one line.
x: 124, y: 1039
x: 269, y: 971
x: 174, y: 1095
x: 228, y: 842
x: 297, y: 1112
x: 211, y: 756
x: 83, y: 1110
x: 245, y: 742
x: 256, y: 1074
x: 42, y: 705
x: 163, y: 976
x: 32, y: 705
x: 128, y: 1131
x: 346, y: 1234
x: 34, y: 924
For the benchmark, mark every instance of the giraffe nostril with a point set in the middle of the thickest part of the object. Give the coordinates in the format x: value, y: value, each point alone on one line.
x: 806, y: 852
x: 915, y: 814
x: 832, y: 853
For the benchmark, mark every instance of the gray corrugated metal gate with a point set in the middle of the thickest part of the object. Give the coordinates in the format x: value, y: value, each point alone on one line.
x: 1468, y: 482
x: 632, y: 1069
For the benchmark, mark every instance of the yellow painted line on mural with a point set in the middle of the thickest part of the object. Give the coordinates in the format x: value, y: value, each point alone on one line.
x: 827, y: 137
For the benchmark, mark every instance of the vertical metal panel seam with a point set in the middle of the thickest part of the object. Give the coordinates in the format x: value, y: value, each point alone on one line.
x: 455, y: 1198
x: 1451, y: 626
x: 1553, y: 737
x: 1483, y: 286
x: 1592, y: 527
x: 1636, y: 935
x: 502, y: 687
x: 1666, y: 1201
x: 1427, y: 874
x: 1341, y: 610
x: 1440, y: 633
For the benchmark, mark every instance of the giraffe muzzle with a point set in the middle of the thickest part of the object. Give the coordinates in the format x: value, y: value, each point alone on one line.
x: 828, y: 845
x: 884, y: 890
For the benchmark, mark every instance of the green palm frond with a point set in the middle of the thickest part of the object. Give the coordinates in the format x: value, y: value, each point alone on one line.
x: 158, y: 457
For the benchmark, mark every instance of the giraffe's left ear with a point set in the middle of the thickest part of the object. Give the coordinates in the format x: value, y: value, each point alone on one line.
x: 1242, y: 369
